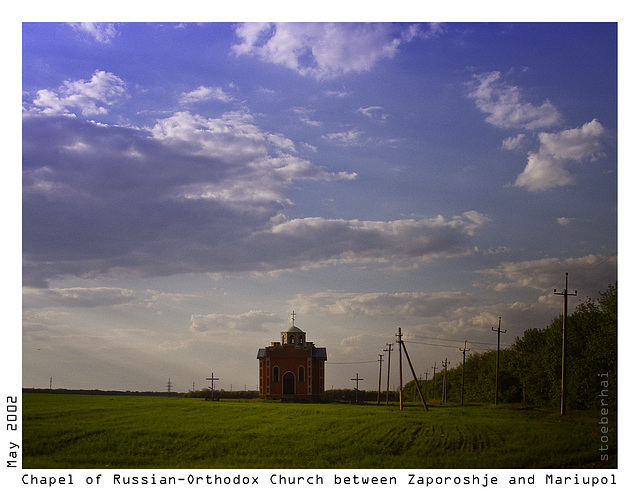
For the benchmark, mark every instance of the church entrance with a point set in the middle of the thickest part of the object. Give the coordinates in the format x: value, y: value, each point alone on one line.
x: 288, y: 384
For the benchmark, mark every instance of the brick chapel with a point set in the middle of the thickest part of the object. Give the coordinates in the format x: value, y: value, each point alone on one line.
x: 292, y: 368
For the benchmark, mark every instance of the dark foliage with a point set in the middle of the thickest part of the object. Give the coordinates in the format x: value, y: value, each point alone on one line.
x: 531, y: 370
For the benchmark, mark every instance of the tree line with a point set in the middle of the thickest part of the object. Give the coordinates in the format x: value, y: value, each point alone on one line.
x: 531, y: 369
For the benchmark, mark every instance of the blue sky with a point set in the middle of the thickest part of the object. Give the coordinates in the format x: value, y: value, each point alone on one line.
x: 186, y: 186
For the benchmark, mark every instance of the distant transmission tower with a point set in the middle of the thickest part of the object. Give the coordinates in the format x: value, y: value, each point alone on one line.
x: 169, y: 386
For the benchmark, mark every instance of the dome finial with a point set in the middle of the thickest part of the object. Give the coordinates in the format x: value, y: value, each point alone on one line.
x: 293, y: 318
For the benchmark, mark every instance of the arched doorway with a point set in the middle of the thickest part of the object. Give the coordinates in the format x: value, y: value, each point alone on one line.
x: 288, y: 384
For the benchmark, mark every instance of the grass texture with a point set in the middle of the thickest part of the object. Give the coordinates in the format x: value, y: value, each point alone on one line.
x: 98, y: 431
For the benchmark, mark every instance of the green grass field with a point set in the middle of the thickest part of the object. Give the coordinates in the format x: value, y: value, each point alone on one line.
x: 98, y: 431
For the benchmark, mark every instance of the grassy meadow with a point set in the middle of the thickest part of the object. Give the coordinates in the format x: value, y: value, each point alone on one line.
x: 99, y: 431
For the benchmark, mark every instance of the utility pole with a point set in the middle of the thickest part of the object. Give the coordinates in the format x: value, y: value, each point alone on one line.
x: 444, y: 379
x: 565, y: 293
x: 50, y: 383
x: 498, y: 356
x: 464, y: 356
x: 415, y: 378
x: 435, y: 367
x: 389, y: 350
x: 212, y: 385
x: 400, y: 362
x: 379, y: 376
x: 357, y: 379
x: 426, y: 382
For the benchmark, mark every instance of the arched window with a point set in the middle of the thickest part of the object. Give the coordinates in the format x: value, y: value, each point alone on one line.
x: 276, y: 374
x: 292, y: 339
x: 300, y: 374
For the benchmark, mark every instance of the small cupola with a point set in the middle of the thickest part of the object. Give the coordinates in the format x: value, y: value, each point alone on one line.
x: 293, y: 335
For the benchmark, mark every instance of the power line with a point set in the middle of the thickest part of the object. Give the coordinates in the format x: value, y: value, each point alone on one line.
x: 489, y: 345
x: 584, y: 273
x: 349, y: 362
x: 431, y: 344
x: 449, y: 340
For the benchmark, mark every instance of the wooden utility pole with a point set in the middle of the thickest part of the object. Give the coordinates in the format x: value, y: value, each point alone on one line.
x: 389, y: 350
x: 212, y: 379
x: 415, y: 379
x: 400, y: 363
x: 464, y: 353
x: 435, y: 367
x: 379, y: 376
x: 565, y: 293
x: 357, y: 379
x: 444, y: 379
x: 498, y: 356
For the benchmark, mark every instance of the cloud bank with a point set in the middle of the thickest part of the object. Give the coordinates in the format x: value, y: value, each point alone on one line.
x: 326, y: 50
x: 193, y: 194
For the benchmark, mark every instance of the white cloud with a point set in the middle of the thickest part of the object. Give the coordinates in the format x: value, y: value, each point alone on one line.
x: 564, y: 221
x: 573, y: 144
x: 547, y: 168
x: 102, y: 32
x: 305, y: 116
x: 326, y: 50
x: 282, y: 142
x: 404, y: 304
x: 476, y: 217
x: 505, y: 107
x: 346, y: 138
x: 338, y: 93
x: 372, y: 112
x: 547, y: 273
x: 203, y: 93
x: 254, y: 320
x: 543, y: 172
x: 233, y: 136
x: 91, y: 297
x: 89, y: 97
x: 514, y: 142
x: 399, y: 243
x: 85, y: 297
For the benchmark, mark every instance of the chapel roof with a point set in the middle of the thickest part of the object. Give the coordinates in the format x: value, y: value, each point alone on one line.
x: 293, y: 329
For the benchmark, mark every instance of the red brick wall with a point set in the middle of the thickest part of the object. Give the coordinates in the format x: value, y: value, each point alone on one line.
x: 289, y: 358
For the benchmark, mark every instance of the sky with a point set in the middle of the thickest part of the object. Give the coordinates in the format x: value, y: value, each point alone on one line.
x: 187, y: 186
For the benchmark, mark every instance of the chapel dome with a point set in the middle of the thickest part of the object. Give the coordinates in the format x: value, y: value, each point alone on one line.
x: 293, y: 335
x: 293, y: 329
